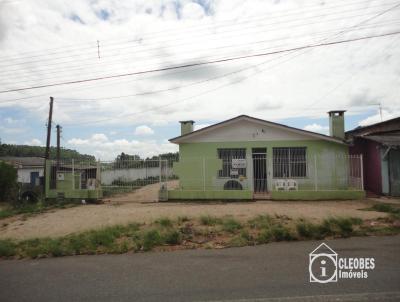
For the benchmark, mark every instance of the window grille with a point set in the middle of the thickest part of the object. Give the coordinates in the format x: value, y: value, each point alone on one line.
x: 227, y: 155
x: 290, y: 162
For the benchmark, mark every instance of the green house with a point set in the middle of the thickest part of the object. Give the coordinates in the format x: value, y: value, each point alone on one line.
x: 250, y: 158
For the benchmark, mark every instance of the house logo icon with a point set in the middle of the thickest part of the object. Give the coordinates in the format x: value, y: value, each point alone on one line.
x: 323, y: 264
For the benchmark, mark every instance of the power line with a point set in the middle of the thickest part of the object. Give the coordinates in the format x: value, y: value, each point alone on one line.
x: 65, y: 48
x: 65, y: 71
x: 257, y: 26
x: 204, y: 63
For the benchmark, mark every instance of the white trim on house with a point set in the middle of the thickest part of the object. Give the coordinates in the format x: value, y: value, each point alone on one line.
x: 247, y: 128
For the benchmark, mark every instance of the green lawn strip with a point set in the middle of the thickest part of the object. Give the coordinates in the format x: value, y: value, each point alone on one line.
x: 184, y: 232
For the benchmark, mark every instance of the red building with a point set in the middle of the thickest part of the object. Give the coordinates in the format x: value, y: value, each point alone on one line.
x: 380, y: 146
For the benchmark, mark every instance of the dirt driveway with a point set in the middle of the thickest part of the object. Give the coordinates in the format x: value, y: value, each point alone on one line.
x: 122, y: 210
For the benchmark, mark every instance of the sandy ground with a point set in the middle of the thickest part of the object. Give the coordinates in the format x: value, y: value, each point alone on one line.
x: 140, y: 206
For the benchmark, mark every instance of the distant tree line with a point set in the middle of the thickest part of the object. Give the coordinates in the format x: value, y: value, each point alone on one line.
x: 38, y: 151
x: 124, y: 160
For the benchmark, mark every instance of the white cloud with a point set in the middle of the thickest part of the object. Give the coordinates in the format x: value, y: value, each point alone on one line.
x: 317, y: 128
x: 143, y: 130
x: 109, y: 149
x: 99, y: 137
x: 376, y: 118
x: 171, y: 33
x: 33, y: 142
x: 200, y: 126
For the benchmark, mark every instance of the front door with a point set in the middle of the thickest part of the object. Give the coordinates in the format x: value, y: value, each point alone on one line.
x: 260, y: 170
x: 34, y: 176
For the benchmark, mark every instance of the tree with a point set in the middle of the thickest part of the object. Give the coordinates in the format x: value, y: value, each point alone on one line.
x: 8, y: 182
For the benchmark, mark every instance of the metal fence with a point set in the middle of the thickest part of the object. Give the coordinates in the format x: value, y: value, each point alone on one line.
x: 260, y: 173
x: 283, y: 170
x: 128, y: 175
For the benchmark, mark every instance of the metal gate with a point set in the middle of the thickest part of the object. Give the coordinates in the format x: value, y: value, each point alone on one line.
x: 124, y: 176
x: 259, y: 170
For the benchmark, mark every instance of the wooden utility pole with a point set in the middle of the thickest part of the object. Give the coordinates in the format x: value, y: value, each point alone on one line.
x: 58, y: 146
x: 47, y: 152
x: 47, y: 155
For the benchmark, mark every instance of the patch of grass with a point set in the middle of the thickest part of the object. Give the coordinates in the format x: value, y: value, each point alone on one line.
x: 164, y: 222
x: 231, y: 225
x: 103, y: 237
x: 214, y: 232
x: 7, y: 212
x: 264, y: 236
x: 261, y: 222
x: 151, y: 238
x: 182, y: 219
x: 308, y: 230
x: 7, y: 248
x: 172, y: 237
x: 209, y: 220
x: 281, y: 233
x: 385, y: 207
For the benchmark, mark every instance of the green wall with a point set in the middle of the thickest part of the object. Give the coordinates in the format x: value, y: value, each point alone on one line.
x: 199, y: 164
x: 317, y: 195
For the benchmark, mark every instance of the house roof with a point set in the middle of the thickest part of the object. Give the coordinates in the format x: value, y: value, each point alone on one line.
x: 24, y: 161
x: 387, y: 140
x: 192, y: 134
x: 389, y: 125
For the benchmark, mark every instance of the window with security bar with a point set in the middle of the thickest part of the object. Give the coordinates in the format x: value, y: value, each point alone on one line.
x: 227, y: 155
x: 290, y: 162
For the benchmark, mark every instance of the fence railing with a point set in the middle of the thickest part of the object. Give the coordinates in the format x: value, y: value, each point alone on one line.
x: 263, y: 173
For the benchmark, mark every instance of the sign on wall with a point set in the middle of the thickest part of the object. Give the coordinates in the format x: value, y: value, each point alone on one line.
x: 239, y: 163
x: 234, y: 172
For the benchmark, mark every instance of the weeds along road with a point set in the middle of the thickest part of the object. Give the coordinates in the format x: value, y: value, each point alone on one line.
x: 266, y: 273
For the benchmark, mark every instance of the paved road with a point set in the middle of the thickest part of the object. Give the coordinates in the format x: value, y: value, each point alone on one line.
x: 262, y: 272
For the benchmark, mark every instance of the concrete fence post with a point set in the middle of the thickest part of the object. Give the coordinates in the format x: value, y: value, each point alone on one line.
x: 73, y: 174
x: 362, y: 172
x: 315, y: 173
x: 204, y: 174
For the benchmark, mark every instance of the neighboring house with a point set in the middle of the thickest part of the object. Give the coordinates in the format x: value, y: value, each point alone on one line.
x: 29, y: 169
x: 246, y: 158
x: 380, y: 146
x: 29, y: 175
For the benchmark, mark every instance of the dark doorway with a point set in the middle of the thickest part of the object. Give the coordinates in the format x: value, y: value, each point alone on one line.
x: 260, y: 169
x: 34, y: 176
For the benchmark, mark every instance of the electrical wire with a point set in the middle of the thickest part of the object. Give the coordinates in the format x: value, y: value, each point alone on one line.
x: 203, y: 63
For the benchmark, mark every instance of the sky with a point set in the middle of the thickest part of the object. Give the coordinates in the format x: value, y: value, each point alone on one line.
x: 45, y: 42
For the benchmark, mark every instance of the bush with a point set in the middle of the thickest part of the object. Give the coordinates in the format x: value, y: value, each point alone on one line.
x: 231, y: 225
x: 8, y: 183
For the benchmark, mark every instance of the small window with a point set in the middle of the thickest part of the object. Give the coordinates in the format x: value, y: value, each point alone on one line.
x: 227, y: 155
x: 290, y: 162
